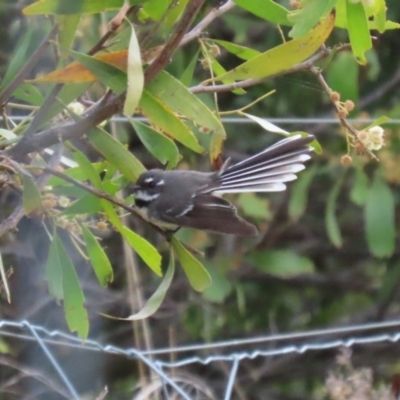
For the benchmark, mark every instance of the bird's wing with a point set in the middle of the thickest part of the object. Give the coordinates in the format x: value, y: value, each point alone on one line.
x: 211, y: 213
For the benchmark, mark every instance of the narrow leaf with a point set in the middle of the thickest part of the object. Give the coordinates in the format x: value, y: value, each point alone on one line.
x: 245, y: 53
x: 87, y: 168
x: 165, y: 119
x: 299, y: 193
x: 308, y: 16
x: 6, y: 134
x: 75, y: 72
x: 284, y: 56
x: 266, y: 9
x: 32, y: 199
x: 187, y: 75
x: 177, y: 97
x: 62, y: 7
x: 75, y: 313
x: 331, y: 223
x: 357, y: 25
x: 53, y: 273
x: 135, y: 76
x: 146, y: 251
x: 100, y: 262
x: 155, y: 301
x: 3, y: 275
x: 111, y: 76
x: 283, y: 263
x: 161, y: 147
x: 380, y: 218
x: 197, y: 275
x: 67, y: 26
x: 359, y: 190
x: 116, y: 153
x: 268, y: 126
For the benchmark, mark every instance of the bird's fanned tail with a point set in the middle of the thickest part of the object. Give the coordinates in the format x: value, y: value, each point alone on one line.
x: 269, y: 170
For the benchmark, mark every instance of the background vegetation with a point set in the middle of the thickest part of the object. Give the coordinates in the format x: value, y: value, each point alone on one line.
x: 327, y: 254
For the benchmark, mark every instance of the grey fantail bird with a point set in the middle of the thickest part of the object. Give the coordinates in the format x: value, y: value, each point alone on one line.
x: 173, y: 199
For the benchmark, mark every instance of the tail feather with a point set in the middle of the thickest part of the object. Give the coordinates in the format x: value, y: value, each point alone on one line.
x: 267, y: 171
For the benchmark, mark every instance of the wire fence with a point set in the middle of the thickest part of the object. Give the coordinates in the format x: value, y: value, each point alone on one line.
x: 155, y: 360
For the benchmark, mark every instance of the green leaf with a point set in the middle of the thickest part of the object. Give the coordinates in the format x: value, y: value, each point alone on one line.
x: 380, y: 15
x: 219, y: 70
x: 53, y: 273
x: 378, y: 122
x: 389, y: 282
x: 100, y: 262
x: 146, y: 251
x: 342, y: 65
x: 187, y: 75
x: 299, y: 193
x: 245, y: 53
x: 359, y: 190
x: 331, y: 223
x: 32, y: 199
x: 178, y: 98
x: 3, y: 275
x: 6, y: 134
x: 266, y: 9
x: 87, y: 168
x: 197, y: 275
x: 135, y: 76
x: 28, y: 93
x: 87, y: 204
x: 357, y: 25
x: 306, y: 17
x: 75, y: 313
x: 61, y: 7
x: 380, y: 218
x: 220, y: 288
x: 19, y: 58
x: 165, y: 119
x: 111, y: 76
x: 173, y: 13
x: 157, y: 144
x: 284, y: 56
x: 155, y: 9
x: 116, y: 153
x: 282, y: 263
x: 67, y: 26
x: 155, y: 301
x: 77, y: 173
x: 253, y: 206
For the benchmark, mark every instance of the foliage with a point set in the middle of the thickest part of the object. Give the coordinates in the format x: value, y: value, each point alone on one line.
x: 153, y: 60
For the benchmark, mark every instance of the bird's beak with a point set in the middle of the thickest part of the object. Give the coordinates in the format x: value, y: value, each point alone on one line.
x: 136, y: 188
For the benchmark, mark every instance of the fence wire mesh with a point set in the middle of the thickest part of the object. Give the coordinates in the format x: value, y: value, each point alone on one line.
x: 232, y: 352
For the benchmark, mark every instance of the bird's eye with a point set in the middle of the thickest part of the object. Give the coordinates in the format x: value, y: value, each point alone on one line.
x: 151, y: 184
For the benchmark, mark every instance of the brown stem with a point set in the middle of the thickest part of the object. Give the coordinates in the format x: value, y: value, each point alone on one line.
x: 165, y: 55
x: 349, y: 128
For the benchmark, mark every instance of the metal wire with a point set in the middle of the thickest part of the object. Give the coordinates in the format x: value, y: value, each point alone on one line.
x: 45, y: 337
x: 244, y: 120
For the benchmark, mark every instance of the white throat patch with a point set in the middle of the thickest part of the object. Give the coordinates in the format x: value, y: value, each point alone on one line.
x: 144, y: 196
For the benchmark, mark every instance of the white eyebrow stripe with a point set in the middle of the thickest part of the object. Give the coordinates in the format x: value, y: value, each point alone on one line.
x: 161, y: 182
x: 148, y: 180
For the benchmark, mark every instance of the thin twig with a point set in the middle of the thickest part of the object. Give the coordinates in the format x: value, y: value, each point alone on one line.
x: 349, y: 128
x: 210, y: 17
x: 323, y: 53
